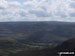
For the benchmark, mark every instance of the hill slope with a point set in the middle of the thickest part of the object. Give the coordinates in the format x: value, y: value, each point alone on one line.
x: 35, y: 38
x: 37, y: 32
x: 67, y: 46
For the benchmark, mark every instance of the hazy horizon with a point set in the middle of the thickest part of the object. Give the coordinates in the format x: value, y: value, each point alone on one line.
x: 38, y: 21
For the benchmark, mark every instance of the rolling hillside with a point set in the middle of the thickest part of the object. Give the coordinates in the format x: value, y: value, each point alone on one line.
x: 37, y: 32
x: 35, y: 38
x: 67, y: 46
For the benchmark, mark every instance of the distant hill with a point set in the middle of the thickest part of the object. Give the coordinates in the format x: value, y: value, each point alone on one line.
x: 37, y: 32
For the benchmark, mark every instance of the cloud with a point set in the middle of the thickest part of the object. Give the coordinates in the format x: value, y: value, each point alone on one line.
x: 40, y: 13
x: 29, y: 3
x: 72, y: 5
x: 37, y: 10
x: 3, y: 4
x: 72, y: 14
x: 14, y: 3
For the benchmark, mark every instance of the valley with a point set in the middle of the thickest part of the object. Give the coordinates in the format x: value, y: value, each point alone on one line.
x: 35, y: 38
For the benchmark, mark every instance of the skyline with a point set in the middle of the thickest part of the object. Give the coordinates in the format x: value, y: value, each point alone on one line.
x: 37, y: 10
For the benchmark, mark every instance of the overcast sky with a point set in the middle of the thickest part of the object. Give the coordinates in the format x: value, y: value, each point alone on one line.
x: 37, y: 10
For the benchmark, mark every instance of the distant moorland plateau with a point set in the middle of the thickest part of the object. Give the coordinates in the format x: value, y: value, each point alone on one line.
x: 36, y: 38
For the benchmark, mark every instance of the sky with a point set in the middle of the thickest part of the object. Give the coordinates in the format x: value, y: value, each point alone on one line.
x: 37, y: 10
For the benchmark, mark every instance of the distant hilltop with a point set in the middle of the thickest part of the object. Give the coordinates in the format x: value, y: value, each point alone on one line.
x: 38, y: 32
